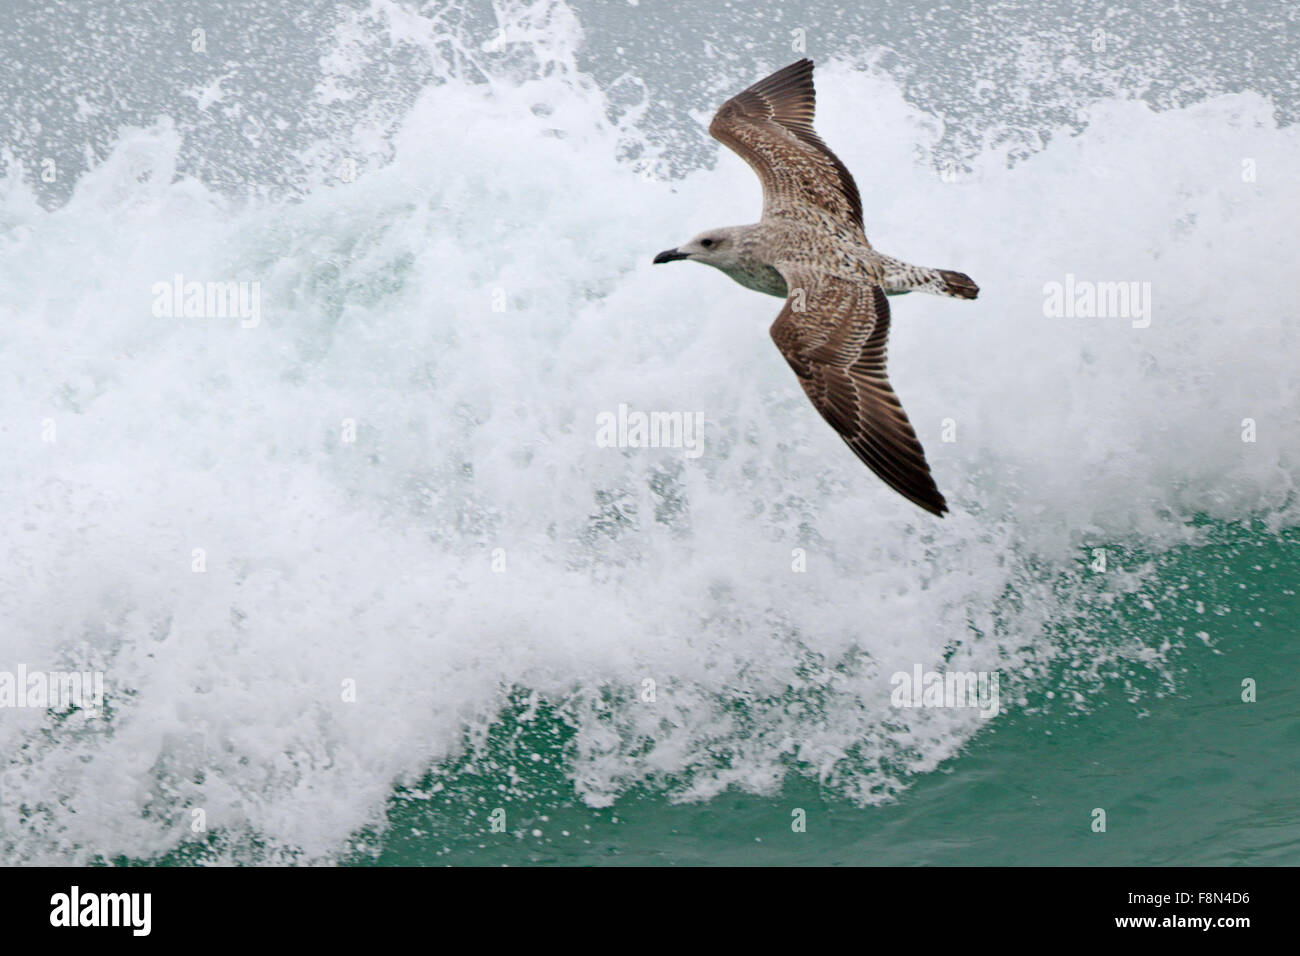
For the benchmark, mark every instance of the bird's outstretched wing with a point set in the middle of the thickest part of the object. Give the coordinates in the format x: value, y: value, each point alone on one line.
x: 770, y: 125
x: 832, y: 331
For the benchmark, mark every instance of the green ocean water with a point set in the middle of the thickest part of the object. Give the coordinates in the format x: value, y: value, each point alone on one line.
x: 1194, y: 776
x: 1187, y: 771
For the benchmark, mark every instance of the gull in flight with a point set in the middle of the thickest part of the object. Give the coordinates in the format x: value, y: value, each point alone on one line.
x: 810, y: 249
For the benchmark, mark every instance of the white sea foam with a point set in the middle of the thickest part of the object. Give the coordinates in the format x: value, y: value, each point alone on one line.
x: 327, y: 561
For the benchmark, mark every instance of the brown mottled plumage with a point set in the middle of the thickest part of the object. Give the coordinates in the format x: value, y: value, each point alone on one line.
x: 810, y: 248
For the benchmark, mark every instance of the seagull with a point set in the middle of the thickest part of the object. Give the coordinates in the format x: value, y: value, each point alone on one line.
x: 810, y: 249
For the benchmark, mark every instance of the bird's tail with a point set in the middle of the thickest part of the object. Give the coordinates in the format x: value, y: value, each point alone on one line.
x: 900, y: 278
x: 958, y: 285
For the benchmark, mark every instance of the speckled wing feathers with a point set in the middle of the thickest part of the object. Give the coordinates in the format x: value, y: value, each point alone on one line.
x: 835, y: 342
x: 770, y: 125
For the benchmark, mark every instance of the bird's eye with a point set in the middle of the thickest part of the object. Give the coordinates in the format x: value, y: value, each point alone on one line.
x: 706, y: 243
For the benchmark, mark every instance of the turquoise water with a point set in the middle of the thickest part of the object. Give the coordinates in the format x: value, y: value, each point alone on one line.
x: 1192, y: 777
x: 365, y: 587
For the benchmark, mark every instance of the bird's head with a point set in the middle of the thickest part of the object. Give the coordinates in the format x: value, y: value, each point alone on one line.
x: 717, y: 247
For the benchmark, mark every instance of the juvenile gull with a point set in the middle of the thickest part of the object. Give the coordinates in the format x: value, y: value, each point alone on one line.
x: 810, y: 249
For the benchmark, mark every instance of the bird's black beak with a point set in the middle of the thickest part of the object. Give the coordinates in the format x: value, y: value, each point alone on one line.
x: 671, y: 255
